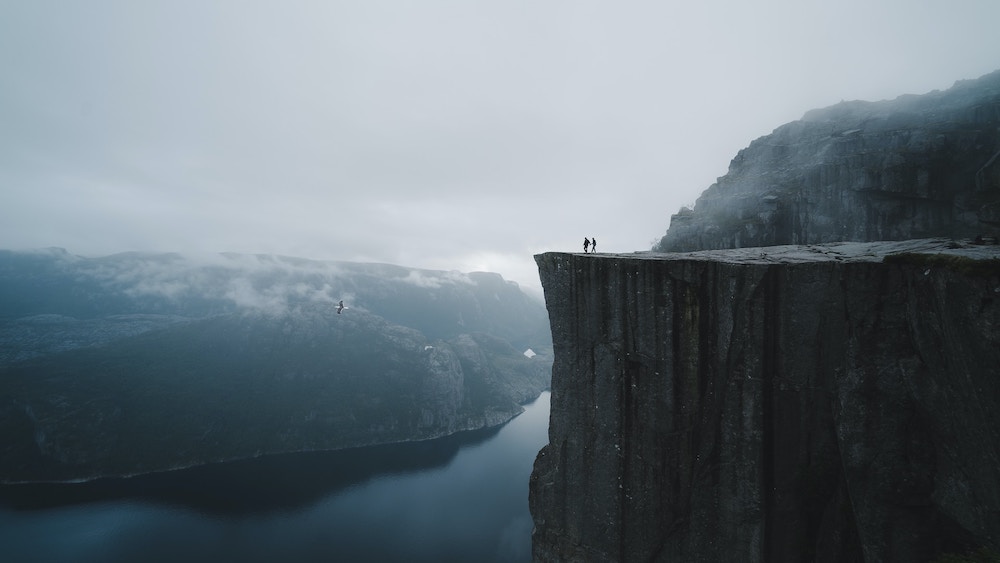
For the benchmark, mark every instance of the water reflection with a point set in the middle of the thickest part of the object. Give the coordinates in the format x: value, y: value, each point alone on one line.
x: 462, y: 498
x: 280, y: 482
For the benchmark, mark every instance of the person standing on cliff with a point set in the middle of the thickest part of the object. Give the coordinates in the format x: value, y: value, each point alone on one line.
x: 586, y: 244
x: 593, y: 245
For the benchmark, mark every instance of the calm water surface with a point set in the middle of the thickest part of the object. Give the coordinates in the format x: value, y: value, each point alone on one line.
x: 462, y: 498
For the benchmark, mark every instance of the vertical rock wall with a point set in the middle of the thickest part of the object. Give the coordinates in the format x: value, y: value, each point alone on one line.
x: 913, y: 167
x: 807, y: 404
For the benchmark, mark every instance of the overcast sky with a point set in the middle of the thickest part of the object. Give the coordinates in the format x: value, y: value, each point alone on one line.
x: 444, y: 134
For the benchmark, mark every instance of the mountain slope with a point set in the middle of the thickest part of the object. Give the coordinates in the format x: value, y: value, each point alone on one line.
x: 913, y: 167
x: 172, y: 363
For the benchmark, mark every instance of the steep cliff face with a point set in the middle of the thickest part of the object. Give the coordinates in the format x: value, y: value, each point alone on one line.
x: 828, y: 403
x: 913, y: 167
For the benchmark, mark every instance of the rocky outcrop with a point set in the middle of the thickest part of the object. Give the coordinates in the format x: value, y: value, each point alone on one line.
x: 913, y: 167
x: 816, y: 403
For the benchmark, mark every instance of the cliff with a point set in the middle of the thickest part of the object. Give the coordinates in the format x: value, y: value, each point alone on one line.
x: 814, y: 403
x: 913, y: 167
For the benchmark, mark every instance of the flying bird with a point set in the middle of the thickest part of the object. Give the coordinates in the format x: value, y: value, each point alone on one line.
x: 340, y: 307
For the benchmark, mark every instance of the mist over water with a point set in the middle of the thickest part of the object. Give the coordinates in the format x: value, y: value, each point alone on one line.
x: 462, y: 498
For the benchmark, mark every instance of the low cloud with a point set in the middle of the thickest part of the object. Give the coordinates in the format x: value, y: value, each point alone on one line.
x: 261, y: 283
x: 438, y: 279
x: 264, y: 283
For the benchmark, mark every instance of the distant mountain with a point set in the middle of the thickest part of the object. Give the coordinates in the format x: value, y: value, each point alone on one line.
x: 136, y: 363
x: 913, y: 167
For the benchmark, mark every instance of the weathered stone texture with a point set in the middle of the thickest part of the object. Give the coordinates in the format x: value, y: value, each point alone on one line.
x: 913, y: 167
x: 779, y: 404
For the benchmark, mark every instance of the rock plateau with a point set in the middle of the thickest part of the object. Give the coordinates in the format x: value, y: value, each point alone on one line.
x: 834, y: 402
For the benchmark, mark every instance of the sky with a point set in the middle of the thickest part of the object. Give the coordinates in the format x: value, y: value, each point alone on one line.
x: 442, y: 134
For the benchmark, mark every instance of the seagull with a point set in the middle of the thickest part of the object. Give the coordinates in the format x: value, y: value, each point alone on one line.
x: 340, y: 307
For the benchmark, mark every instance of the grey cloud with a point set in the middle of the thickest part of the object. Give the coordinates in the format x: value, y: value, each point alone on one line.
x: 437, y: 134
x: 261, y: 283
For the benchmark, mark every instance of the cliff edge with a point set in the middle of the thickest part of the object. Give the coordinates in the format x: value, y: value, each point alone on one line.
x: 835, y: 402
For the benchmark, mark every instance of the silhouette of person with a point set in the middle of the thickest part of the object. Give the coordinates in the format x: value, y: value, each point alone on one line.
x: 593, y: 245
x: 340, y: 307
x: 586, y: 244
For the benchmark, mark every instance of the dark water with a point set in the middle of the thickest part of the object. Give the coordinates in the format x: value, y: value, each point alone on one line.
x: 462, y: 498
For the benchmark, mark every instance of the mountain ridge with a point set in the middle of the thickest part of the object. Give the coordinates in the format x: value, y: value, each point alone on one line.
x: 142, y: 362
x: 917, y: 166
